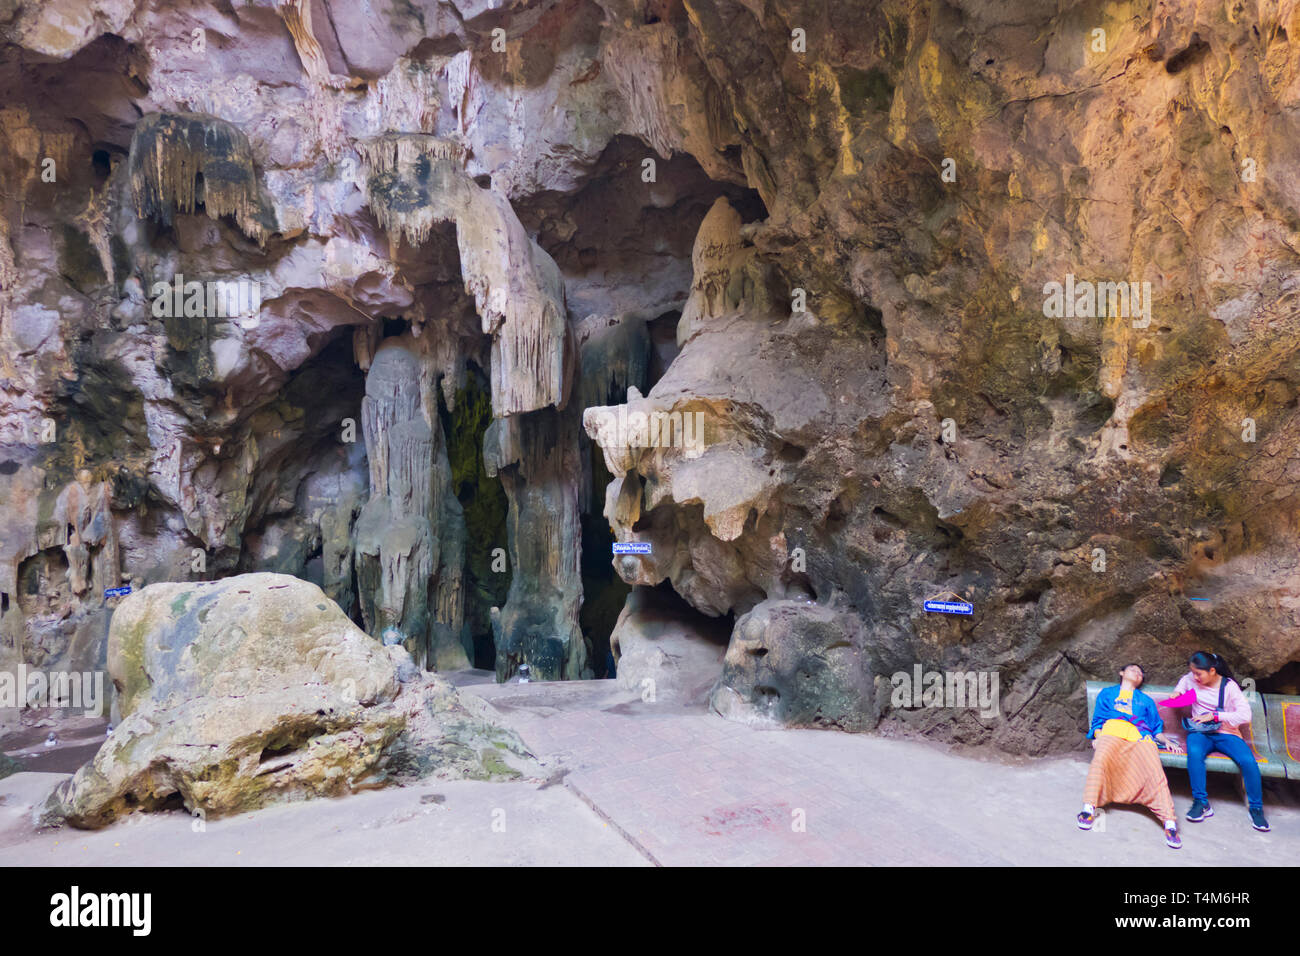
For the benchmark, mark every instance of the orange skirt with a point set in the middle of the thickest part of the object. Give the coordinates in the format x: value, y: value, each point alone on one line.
x: 1128, y: 771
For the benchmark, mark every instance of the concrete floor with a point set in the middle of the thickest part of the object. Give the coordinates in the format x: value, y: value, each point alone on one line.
x: 639, y: 783
x: 689, y: 788
x: 473, y: 824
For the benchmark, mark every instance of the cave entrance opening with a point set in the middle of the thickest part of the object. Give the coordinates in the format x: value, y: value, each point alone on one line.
x: 663, y: 345
x: 603, y: 591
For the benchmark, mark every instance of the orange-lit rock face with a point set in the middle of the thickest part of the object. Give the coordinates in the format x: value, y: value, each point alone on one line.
x: 990, y: 299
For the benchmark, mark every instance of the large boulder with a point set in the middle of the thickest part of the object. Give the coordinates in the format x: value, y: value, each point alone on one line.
x: 800, y: 664
x: 250, y: 690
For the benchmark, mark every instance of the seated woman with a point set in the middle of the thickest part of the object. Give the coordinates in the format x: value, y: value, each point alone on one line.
x: 1125, y: 764
x: 1216, y: 700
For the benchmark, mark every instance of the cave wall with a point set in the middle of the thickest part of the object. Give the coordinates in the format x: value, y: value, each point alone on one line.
x: 858, y: 209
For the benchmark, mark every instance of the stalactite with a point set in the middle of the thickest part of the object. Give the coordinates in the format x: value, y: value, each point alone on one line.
x: 460, y: 86
x: 615, y: 355
x: 297, y: 17
x: 23, y: 151
x: 95, y: 220
x: 641, y: 63
x: 397, y: 152
x: 415, y: 182
x: 173, y: 155
x: 405, y: 99
x: 365, y: 339
x: 24, y: 148
x: 400, y: 189
x: 519, y: 295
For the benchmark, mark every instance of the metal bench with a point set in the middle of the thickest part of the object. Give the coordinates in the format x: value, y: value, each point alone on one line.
x: 1273, y: 734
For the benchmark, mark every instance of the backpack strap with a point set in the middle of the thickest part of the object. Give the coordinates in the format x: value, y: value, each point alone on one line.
x: 1223, y: 686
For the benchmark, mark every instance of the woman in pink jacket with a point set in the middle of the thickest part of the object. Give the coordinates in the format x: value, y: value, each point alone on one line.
x: 1218, y: 704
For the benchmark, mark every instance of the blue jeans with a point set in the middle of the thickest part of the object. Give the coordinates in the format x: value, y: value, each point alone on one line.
x: 1199, y: 747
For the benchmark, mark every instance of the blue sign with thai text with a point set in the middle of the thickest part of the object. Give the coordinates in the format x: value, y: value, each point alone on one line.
x: 949, y: 607
x: 631, y: 547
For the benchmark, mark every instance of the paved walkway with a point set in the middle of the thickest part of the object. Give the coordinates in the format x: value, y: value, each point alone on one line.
x: 454, y: 823
x: 689, y: 788
x: 634, y: 783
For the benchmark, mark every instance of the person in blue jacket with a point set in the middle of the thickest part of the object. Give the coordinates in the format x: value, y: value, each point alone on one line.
x: 1125, y: 768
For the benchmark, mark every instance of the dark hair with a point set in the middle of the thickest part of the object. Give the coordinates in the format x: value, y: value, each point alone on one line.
x: 1204, y: 660
x: 1138, y: 666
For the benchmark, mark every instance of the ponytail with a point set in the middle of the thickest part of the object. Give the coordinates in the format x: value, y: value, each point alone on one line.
x: 1204, y: 660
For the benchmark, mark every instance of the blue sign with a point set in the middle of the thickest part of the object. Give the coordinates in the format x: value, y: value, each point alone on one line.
x: 631, y: 547
x: 117, y: 592
x: 950, y: 607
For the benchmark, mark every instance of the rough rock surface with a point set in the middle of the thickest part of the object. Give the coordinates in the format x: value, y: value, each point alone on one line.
x: 664, y: 651
x: 255, y: 689
x: 828, y: 228
x: 799, y: 663
x: 9, y: 765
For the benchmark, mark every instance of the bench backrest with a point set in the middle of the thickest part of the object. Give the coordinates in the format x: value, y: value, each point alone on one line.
x: 1273, y: 734
x: 1284, y: 732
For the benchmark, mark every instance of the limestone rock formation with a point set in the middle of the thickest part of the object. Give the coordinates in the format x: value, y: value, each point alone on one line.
x: 798, y: 663
x: 536, y: 459
x: 960, y: 298
x: 181, y: 161
x: 60, y: 554
x: 415, y: 182
x: 664, y: 651
x: 256, y: 689
x: 410, y: 533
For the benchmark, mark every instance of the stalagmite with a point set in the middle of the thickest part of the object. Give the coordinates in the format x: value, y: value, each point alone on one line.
x: 716, y: 246
x: 536, y: 458
x: 400, y: 534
